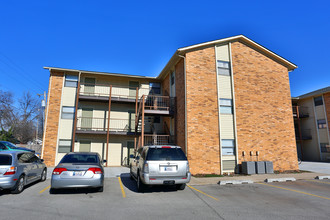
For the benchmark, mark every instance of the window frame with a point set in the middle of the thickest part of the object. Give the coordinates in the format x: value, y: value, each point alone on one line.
x: 321, y: 124
x: 60, y: 146
x: 65, y: 114
x: 152, y: 88
x: 318, y: 101
x: 226, y: 106
x: 223, y: 146
x: 74, y: 79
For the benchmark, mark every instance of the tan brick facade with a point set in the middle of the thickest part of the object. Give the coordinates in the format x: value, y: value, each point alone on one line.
x: 53, y: 113
x: 263, y: 108
x: 180, y: 105
x: 202, y: 112
x: 326, y: 98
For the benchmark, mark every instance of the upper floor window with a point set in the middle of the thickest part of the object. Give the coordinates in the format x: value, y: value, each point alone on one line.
x: 223, y: 68
x: 67, y: 112
x: 228, y: 147
x: 226, y: 106
x: 71, y: 81
x: 325, y: 148
x: 154, y: 88
x: 321, y: 123
x: 64, y: 146
x: 318, y: 101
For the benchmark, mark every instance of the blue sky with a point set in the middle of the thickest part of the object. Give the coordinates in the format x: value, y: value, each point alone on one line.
x: 139, y: 37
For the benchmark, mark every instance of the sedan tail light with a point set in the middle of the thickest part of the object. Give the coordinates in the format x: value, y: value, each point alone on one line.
x: 95, y: 170
x: 58, y: 171
x: 11, y: 171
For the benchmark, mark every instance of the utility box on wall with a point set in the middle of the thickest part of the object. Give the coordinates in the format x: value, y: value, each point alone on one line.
x: 269, y: 167
x: 260, y: 167
x: 248, y: 167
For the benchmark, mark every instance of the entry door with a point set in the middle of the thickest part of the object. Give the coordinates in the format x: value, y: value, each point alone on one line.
x: 87, y: 119
x: 85, y: 146
x: 132, y: 88
x: 130, y: 150
x: 89, y: 86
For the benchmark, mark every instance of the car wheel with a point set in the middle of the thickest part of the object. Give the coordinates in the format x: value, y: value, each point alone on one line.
x: 52, y: 191
x: 181, y: 186
x: 100, y: 189
x: 19, y: 185
x: 140, y: 185
x: 43, y: 175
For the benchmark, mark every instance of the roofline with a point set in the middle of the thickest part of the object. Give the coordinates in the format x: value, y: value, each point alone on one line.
x: 99, y: 73
x: 314, y: 93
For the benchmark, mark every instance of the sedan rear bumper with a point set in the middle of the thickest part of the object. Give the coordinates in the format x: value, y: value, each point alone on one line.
x: 57, y: 182
x: 149, y: 180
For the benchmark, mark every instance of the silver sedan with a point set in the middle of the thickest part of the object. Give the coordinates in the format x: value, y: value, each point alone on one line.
x: 78, y: 170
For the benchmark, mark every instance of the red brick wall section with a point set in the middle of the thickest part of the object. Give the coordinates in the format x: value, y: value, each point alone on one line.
x: 180, y: 104
x: 326, y: 98
x: 202, y: 112
x: 263, y: 108
x: 51, y: 128
x: 166, y: 92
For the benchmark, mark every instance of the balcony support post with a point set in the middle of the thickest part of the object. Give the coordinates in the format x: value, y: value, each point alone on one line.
x: 75, y: 115
x: 108, y: 128
x: 142, y: 121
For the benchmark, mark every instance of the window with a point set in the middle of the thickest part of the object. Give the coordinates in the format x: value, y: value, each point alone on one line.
x: 226, y: 106
x: 80, y: 158
x: 228, y: 147
x: 223, y: 68
x: 157, y: 119
x: 172, y: 78
x: 318, y: 101
x: 25, y: 158
x: 67, y: 112
x: 71, y: 81
x: 64, y: 146
x: 325, y: 148
x: 154, y: 88
x: 165, y: 154
x: 3, y: 147
x: 5, y: 159
x: 321, y: 123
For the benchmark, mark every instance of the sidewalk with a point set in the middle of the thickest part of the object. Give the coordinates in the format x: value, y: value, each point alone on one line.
x: 255, y: 178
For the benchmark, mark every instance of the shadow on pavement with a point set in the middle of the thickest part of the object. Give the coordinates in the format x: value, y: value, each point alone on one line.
x: 131, y: 185
x: 7, y: 191
x: 74, y: 191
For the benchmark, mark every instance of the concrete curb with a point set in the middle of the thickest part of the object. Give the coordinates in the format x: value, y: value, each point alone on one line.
x: 289, y: 179
x: 322, y: 177
x: 234, y: 182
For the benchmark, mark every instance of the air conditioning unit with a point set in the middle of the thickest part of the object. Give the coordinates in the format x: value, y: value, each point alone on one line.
x: 269, y: 167
x: 260, y: 167
x: 248, y: 167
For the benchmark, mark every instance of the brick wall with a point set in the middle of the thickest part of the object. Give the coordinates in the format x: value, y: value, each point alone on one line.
x: 180, y: 105
x: 263, y: 108
x: 51, y: 127
x: 202, y: 112
x: 166, y: 92
x: 326, y: 98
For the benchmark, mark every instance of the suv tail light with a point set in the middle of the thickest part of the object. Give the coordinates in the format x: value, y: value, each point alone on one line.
x: 187, y: 167
x: 95, y: 170
x: 58, y: 171
x: 146, y: 167
x: 11, y: 171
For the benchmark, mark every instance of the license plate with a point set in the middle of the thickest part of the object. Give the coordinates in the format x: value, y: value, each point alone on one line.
x: 169, y: 182
x: 79, y: 173
x: 168, y: 168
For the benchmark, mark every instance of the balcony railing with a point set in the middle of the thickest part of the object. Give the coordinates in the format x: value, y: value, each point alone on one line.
x: 300, y: 111
x: 101, y: 124
x: 158, y: 139
x: 103, y: 90
x: 306, y: 134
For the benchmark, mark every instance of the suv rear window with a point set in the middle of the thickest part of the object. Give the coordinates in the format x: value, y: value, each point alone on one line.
x: 165, y: 154
x: 80, y: 158
x: 5, y: 159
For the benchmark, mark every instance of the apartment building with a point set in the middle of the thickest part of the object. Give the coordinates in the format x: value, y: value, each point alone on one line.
x: 311, y: 113
x: 223, y: 102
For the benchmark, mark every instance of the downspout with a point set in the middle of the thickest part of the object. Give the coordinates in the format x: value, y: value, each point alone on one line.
x: 185, y: 102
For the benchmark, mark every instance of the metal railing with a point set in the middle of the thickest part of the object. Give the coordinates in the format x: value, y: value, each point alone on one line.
x: 101, y: 124
x: 306, y: 134
x: 301, y: 111
x: 118, y: 91
x: 157, y: 139
x: 153, y: 102
x: 325, y: 149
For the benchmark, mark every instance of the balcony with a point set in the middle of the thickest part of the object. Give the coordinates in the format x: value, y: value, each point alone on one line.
x: 155, y: 139
x: 300, y: 112
x: 306, y: 134
x: 101, y: 92
x: 92, y: 125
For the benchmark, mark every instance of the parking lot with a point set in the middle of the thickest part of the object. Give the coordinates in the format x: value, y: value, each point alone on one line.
x: 304, y: 199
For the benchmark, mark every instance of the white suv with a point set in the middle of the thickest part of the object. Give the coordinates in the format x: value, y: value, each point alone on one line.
x: 160, y: 165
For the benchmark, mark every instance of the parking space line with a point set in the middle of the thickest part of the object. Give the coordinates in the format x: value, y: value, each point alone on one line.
x: 203, y: 193
x: 294, y: 191
x: 121, y: 187
x: 44, y: 189
x: 318, y: 181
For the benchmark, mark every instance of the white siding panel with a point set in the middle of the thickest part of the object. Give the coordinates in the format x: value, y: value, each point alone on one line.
x: 320, y: 112
x: 69, y: 96
x: 222, y: 52
x: 65, y: 131
x: 114, y: 154
x: 97, y: 147
x: 226, y: 127
x: 224, y: 87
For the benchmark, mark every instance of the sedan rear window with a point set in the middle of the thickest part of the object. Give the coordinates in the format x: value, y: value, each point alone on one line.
x: 79, y: 158
x: 165, y: 154
x: 5, y: 159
